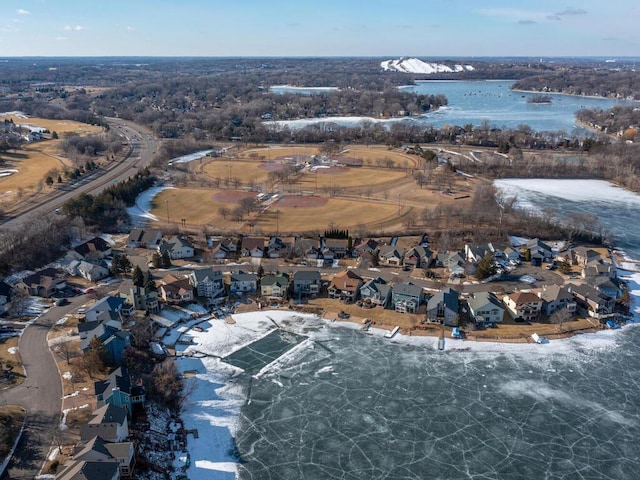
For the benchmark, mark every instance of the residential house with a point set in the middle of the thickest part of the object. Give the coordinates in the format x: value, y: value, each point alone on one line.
x: 108, y: 422
x: 108, y: 308
x: 418, y: 257
x: 114, y: 339
x: 591, y: 301
x: 345, y: 286
x: 485, y: 308
x: 277, y: 248
x: 407, y: 297
x: 598, y: 268
x: 556, y: 297
x: 175, y: 290
x: 376, y: 292
x: 93, y: 270
x: 474, y: 253
x: 391, y: 255
x: 176, y: 247
x: 208, y: 283
x: 117, y: 390
x: 242, y: 283
x: 6, y: 295
x: 144, y: 238
x: 274, y: 285
x: 88, y: 470
x: 42, y: 283
x: 252, y: 247
x: 95, y: 248
x: 139, y: 297
x: 306, y: 283
x: 536, y: 251
x: 99, y: 450
x: 339, y: 247
x: 224, y: 248
x: 443, y: 307
x: 524, y: 306
x: 367, y: 246
x: 510, y: 255
x: 583, y: 256
x: 452, y: 261
x: 608, y: 286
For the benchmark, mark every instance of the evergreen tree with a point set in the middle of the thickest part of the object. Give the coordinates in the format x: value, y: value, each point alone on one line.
x: 165, y: 260
x: 137, y: 277
x: 156, y: 260
x: 486, y: 266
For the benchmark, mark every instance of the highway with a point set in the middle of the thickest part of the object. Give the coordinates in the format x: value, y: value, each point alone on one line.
x: 144, y: 146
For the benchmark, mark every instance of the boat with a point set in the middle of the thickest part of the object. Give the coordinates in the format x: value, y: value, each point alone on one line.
x: 457, y: 333
x: 538, y: 339
x: 392, y: 333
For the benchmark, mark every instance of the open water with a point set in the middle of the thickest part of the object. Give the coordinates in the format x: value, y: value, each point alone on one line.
x: 363, y: 407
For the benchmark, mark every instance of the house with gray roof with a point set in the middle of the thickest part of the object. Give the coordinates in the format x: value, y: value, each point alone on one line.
x: 485, y: 308
x: 89, y: 470
x: 443, y: 307
x: 97, y: 247
x: 99, y: 450
x: 144, y: 238
x: 556, y: 297
x: 242, y: 283
x: 207, y: 282
x: 406, y: 297
x: 418, y: 257
x: 108, y: 422
x: 376, y: 292
x: 118, y: 390
x: 176, y: 247
x: 391, y: 255
x: 591, y: 301
x: 306, y: 283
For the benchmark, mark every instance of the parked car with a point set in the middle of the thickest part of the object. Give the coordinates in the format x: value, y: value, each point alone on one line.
x: 61, y: 301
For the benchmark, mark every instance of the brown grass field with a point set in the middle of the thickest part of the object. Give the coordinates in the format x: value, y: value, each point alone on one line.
x: 36, y: 159
x: 11, y: 359
x: 246, y: 171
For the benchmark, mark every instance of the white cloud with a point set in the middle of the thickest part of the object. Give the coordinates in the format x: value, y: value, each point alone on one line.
x: 22, y: 11
x: 130, y: 28
x: 77, y: 28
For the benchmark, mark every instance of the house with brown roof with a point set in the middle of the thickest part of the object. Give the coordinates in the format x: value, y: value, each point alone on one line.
x: 42, y: 283
x: 524, y: 306
x: 345, y: 285
x: 252, y: 247
x: 175, y: 290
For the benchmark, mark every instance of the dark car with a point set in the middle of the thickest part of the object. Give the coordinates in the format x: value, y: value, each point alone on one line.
x: 61, y: 301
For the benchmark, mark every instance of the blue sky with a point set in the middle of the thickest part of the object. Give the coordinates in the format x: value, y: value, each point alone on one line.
x: 423, y: 28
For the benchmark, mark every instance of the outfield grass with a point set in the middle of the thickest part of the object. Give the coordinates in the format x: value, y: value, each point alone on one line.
x: 246, y: 171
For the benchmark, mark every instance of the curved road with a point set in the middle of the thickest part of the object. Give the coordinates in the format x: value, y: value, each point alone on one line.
x: 144, y: 147
x: 41, y: 392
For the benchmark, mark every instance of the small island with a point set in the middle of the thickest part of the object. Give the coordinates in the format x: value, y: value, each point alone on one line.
x: 539, y: 99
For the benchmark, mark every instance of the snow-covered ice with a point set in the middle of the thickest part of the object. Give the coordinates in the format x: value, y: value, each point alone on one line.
x: 140, y: 213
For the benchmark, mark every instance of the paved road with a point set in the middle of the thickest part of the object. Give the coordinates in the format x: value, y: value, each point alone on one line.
x: 40, y: 394
x: 144, y: 147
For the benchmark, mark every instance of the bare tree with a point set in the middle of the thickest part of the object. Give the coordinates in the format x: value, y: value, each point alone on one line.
x: 559, y: 317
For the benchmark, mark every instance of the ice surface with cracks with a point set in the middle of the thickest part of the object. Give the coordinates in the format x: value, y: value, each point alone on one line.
x: 364, y: 407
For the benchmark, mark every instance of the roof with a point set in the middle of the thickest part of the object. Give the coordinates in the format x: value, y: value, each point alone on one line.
x: 553, y: 293
x: 307, y: 275
x: 408, y: 289
x: 118, y: 379
x: 108, y: 413
x: 448, y: 297
x: 174, y: 243
x: 112, y: 303
x: 251, y: 243
x: 206, y: 274
x: 391, y: 251
x: 524, y: 297
x: 480, y: 299
x: 96, y: 244
x: 41, y: 277
x: 141, y: 235
x: 82, y: 470
x: 537, y: 243
x: 586, y: 252
x: 88, y: 326
x: 95, y: 445
x: 346, y: 280
x: 244, y: 277
x: 271, y: 279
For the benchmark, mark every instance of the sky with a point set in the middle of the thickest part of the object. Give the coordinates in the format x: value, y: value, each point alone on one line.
x: 378, y: 28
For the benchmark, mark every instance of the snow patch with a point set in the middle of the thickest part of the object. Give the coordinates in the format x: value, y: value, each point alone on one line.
x: 415, y: 65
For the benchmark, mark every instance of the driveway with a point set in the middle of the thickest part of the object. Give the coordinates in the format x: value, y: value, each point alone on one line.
x: 40, y: 394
